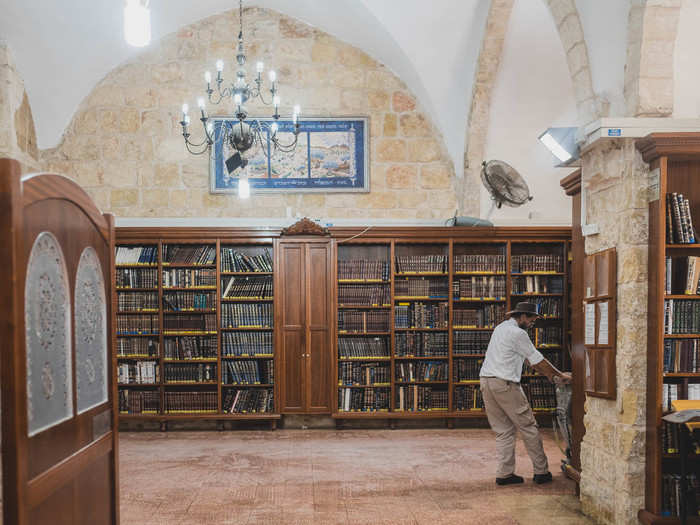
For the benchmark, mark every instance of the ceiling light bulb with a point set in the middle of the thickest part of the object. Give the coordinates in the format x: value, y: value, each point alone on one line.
x: 273, y: 76
x: 200, y: 102
x: 207, y: 77
x: 274, y: 128
x: 243, y: 188
x: 219, y: 65
x: 297, y: 109
x: 137, y: 23
x: 259, y: 67
x: 185, y: 108
x: 237, y: 99
x: 210, y: 127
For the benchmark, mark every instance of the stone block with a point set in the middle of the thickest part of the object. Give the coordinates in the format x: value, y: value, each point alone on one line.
x: 120, y: 174
x: 377, y: 100
x: 655, y: 97
x: 390, y: 125
x: 124, y: 197
x: 160, y: 122
x: 383, y: 79
x: 435, y: 176
x: 216, y: 200
x: 657, y: 59
x: 401, y: 176
x: 577, y: 58
x: 106, y: 94
x: 412, y: 199
x: 324, y: 53
x: 660, y: 23
x: 142, y: 97
x: 391, y: 150
x: 167, y: 176
x: 291, y: 28
x: 423, y: 150
x: 346, y: 77
x: 353, y: 57
x: 353, y: 100
x: 402, y: 102
x: 415, y: 125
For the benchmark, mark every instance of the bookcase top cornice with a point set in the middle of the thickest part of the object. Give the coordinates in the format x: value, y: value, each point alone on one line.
x: 678, y: 145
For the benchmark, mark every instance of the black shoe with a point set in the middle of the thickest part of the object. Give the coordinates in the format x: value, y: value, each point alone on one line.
x: 510, y: 480
x: 542, y: 478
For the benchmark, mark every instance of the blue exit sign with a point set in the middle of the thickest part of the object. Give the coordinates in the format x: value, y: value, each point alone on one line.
x: 614, y: 132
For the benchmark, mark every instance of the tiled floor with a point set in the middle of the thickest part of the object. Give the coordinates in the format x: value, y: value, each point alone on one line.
x: 430, y: 476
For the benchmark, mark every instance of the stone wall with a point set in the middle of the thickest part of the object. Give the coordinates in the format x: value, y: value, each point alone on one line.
x: 17, y: 135
x: 124, y: 144
x: 612, y: 452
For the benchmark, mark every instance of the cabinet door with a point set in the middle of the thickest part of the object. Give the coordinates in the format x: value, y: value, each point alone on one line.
x: 292, y: 322
x: 318, y: 353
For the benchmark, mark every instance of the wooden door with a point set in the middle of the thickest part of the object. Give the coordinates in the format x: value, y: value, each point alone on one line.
x: 304, y: 310
x: 318, y: 329
x: 59, y: 438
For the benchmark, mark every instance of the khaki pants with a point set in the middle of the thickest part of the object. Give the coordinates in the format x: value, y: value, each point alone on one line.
x: 508, y: 410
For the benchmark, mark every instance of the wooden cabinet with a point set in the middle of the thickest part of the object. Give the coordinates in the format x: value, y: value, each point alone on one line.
x: 304, y: 333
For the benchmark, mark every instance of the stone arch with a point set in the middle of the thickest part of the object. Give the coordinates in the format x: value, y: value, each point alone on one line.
x: 651, y: 37
x: 568, y: 24
x: 478, y: 122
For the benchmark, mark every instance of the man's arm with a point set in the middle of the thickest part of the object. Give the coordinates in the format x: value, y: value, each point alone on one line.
x: 552, y: 373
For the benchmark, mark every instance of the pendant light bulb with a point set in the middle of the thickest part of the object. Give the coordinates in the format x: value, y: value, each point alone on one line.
x: 137, y: 23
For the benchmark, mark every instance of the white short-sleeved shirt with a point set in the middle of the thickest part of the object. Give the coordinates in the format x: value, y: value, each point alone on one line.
x: 508, y: 348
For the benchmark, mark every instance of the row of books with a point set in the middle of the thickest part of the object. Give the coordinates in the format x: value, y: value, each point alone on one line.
x: 233, y: 260
x: 363, y: 399
x: 417, y: 398
x: 484, y: 316
x: 190, y: 347
x: 536, y: 263
x: 139, y: 401
x: 137, y: 324
x: 681, y: 316
x: 421, y: 315
x: 361, y: 269
x: 249, y: 401
x: 363, y: 373
x: 363, y: 321
x: 190, y: 372
x: 670, y: 439
x: 681, y: 355
x: 248, y: 372
x: 138, y: 373
x: 364, y: 295
x: 682, y: 275
x: 545, y: 336
x: 246, y: 315
x: 246, y: 343
x: 540, y: 393
x: 136, y: 255
x: 421, y: 263
x: 179, y: 301
x: 189, y: 323
x: 671, y: 494
x: 421, y: 344
x: 421, y: 371
x: 188, y: 277
x: 679, y: 220
x: 548, y: 306
x: 669, y: 394
x: 553, y: 356
x: 525, y: 284
x: 136, y: 278
x: 421, y: 287
x: 479, y: 286
x: 249, y: 287
x: 480, y: 263
x: 137, y: 347
x: 358, y: 347
x: 179, y: 402
x: 467, y: 397
x: 466, y: 369
x: 137, y: 301
x: 195, y: 254
x: 466, y: 342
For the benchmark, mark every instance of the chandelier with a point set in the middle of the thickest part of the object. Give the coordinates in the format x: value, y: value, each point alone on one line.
x: 243, y: 134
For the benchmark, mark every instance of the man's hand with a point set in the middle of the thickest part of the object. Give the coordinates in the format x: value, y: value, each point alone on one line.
x: 564, y: 378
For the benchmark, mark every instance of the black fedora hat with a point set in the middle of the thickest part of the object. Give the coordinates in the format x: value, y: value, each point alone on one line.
x: 525, y: 308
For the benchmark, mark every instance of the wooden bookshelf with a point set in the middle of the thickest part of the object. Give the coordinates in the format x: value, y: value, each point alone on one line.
x: 675, y: 159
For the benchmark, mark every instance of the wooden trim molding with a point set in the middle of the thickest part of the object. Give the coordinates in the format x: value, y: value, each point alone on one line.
x: 571, y: 183
x: 305, y: 226
x: 655, y: 145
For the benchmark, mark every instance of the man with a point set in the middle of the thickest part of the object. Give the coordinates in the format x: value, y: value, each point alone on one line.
x: 507, y: 407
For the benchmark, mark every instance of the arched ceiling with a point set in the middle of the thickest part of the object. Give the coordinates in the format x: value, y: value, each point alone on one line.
x: 62, y: 49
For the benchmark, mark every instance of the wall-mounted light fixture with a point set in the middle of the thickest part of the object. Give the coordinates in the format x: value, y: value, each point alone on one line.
x: 137, y: 23
x: 561, y: 142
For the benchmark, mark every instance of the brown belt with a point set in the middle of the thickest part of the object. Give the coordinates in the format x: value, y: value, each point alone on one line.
x: 509, y: 382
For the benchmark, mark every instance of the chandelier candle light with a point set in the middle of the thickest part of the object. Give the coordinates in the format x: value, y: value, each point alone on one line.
x: 244, y: 134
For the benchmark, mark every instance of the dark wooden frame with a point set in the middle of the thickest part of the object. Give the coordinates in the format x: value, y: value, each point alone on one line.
x: 72, y: 456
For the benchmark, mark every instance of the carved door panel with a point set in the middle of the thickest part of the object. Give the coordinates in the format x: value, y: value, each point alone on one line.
x: 55, y: 317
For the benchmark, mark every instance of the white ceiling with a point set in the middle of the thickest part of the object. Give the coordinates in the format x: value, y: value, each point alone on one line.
x: 63, y: 48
